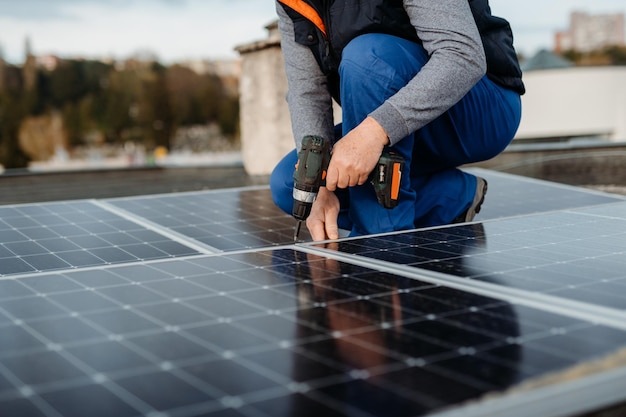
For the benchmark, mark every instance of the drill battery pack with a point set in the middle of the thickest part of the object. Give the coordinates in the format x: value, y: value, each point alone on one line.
x: 386, y: 179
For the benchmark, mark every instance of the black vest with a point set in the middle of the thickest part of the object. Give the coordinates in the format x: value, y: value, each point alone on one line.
x: 345, y: 20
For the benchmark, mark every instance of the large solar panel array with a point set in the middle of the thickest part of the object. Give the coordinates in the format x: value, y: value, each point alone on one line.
x: 230, y: 318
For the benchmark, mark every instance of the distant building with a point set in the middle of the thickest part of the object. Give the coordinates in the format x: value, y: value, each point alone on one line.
x: 545, y: 59
x: 590, y: 32
x: 562, y: 104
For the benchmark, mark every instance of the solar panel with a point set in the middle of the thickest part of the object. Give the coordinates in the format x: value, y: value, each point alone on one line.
x: 576, y: 254
x: 221, y: 220
x: 228, y: 221
x: 199, y: 304
x: 269, y: 333
x: 41, y: 237
x: 512, y: 195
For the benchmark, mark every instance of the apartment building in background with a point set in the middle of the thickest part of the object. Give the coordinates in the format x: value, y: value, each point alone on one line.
x: 589, y: 32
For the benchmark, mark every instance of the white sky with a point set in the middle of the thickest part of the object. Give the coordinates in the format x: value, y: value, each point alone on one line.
x: 176, y: 30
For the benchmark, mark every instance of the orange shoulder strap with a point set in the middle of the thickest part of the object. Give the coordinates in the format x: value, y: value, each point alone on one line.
x: 307, y: 11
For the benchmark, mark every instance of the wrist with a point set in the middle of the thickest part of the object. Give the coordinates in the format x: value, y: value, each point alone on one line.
x: 377, y: 130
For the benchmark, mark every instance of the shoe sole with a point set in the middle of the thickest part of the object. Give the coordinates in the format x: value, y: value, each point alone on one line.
x: 475, y: 207
x: 479, y: 198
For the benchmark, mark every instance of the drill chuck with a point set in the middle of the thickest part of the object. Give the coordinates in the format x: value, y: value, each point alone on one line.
x: 302, y: 203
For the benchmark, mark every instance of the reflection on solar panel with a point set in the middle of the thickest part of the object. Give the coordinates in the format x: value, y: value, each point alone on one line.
x: 579, y: 254
x: 237, y: 321
x: 269, y: 331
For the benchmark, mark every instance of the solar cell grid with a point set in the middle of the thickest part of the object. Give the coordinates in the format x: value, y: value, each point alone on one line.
x: 576, y: 254
x: 301, y: 331
x: 111, y: 308
x: 511, y: 195
x: 227, y: 220
x: 223, y: 220
x: 68, y: 235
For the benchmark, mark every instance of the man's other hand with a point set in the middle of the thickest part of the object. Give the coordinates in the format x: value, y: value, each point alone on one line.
x: 322, y: 222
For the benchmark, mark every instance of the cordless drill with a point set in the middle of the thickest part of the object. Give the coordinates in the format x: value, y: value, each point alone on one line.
x: 310, y: 175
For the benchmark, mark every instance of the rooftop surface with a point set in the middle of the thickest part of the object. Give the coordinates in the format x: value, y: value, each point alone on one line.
x: 20, y: 187
x: 192, y: 300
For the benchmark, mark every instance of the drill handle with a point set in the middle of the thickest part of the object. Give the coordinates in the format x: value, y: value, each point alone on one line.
x: 312, y: 165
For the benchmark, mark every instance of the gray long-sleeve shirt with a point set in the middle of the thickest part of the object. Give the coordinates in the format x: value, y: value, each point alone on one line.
x: 456, y: 63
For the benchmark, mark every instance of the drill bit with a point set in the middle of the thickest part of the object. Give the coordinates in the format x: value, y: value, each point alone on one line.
x: 296, y: 233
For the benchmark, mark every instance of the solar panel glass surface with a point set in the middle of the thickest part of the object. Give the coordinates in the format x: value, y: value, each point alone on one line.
x: 199, y: 304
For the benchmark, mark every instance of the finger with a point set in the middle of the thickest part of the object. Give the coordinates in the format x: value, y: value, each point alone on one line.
x: 331, y: 177
x: 355, y: 180
x: 343, y: 181
x: 316, y: 229
x: 332, y: 230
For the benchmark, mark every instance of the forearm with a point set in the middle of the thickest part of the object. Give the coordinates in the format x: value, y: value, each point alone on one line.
x: 310, y: 103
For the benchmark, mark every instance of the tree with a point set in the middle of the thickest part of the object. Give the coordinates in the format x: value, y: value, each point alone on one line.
x: 155, y: 110
x: 11, y: 116
x: 67, y: 83
x: 184, y: 87
x: 119, y: 102
x: 145, y: 102
x: 202, y: 99
x: 228, y: 118
x: 610, y: 55
x: 616, y: 54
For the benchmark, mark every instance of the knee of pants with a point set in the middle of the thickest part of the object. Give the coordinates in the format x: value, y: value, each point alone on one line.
x: 360, y: 58
x: 385, y: 56
x: 359, y: 50
x: 281, y: 182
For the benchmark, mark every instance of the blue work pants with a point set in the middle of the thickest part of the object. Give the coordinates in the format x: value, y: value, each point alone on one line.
x: 433, y: 190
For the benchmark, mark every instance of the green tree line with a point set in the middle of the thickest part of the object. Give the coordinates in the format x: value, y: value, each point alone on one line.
x: 143, y: 103
x: 610, y: 55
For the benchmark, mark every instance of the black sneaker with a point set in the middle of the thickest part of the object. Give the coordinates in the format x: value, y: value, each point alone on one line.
x: 479, y: 197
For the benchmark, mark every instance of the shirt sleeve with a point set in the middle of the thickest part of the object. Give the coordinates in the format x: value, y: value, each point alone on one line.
x: 456, y: 63
x: 308, y: 97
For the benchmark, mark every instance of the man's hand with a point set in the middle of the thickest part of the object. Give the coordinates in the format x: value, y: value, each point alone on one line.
x: 322, y: 222
x: 355, y: 155
x: 353, y: 158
